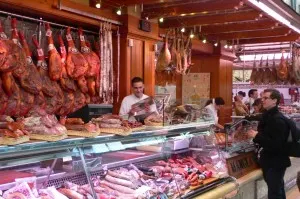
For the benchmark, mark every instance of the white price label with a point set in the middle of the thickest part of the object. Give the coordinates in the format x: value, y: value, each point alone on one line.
x: 99, y: 148
x: 67, y: 159
x: 63, y: 50
x: 115, y: 146
x: 81, y: 38
x: 40, y: 52
x: 51, y: 47
x: 69, y: 37
x: 48, y: 33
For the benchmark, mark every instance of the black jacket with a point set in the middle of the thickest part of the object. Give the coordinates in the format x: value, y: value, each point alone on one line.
x: 272, y: 138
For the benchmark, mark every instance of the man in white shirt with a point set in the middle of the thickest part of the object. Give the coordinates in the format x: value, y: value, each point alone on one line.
x: 137, y: 84
x: 253, y: 95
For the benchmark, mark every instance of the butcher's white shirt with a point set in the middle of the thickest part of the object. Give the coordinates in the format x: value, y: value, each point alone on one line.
x: 251, y: 102
x: 213, y: 113
x: 129, y: 100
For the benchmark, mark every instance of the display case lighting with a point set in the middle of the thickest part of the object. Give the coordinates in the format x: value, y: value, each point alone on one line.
x: 161, y: 20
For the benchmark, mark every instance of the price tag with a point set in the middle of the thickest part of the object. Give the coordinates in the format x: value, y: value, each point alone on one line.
x: 48, y: 33
x: 3, y: 36
x: 99, y: 148
x: 115, y: 146
x: 40, y: 52
x: 67, y: 159
x: 63, y: 50
x: 81, y: 38
x: 51, y: 47
x: 69, y: 37
x: 29, y: 60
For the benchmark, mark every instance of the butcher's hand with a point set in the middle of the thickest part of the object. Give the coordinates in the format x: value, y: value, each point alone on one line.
x: 251, y: 133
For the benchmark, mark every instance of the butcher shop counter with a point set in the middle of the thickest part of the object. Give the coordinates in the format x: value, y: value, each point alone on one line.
x: 83, y: 160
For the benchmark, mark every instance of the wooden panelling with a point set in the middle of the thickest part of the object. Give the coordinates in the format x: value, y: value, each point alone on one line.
x: 149, y: 67
x: 136, y: 53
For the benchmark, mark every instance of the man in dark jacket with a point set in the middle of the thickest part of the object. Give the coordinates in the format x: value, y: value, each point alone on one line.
x: 272, y: 138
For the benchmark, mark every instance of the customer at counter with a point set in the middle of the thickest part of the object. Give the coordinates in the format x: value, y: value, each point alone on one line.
x: 211, y: 108
x: 126, y: 108
x: 257, y: 106
x: 271, y: 137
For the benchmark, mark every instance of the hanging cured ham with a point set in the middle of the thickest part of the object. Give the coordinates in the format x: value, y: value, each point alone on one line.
x: 267, y: 74
x: 9, y: 53
x: 164, y: 57
x: 273, y: 78
x: 296, y: 64
x: 3, y: 99
x: 66, y: 82
x: 53, y: 94
x: 93, y: 61
x: 77, y: 66
x: 55, y: 68
x: 260, y: 72
x: 254, y: 72
x: 282, y: 71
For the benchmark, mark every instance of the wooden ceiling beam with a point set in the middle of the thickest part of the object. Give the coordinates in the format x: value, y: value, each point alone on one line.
x: 290, y: 37
x: 209, y: 19
x: 282, y: 31
x: 134, y: 2
x: 239, y: 27
x: 188, y: 8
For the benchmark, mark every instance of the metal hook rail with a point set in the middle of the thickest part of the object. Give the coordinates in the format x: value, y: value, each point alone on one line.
x: 43, y: 21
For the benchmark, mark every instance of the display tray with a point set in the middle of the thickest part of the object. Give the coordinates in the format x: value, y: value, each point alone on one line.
x: 37, y: 147
x: 209, y: 185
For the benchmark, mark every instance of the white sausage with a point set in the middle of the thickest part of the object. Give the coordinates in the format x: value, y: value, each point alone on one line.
x: 119, y: 181
x: 119, y: 188
x: 71, y: 194
x: 118, y: 175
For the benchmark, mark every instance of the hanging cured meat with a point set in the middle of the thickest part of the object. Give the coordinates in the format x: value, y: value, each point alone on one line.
x: 54, y: 96
x: 77, y: 66
x: 296, y: 64
x: 55, y: 68
x: 164, y: 57
x: 3, y: 99
x: 93, y: 63
x: 267, y: 74
x: 290, y: 76
x: 66, y: 82
x: 254, y: 71
x: 107, y: 80
x: 68, y: 105
x: 9, y: 53
x: 79, y: 101
x: 174, y: 51
x: 282, y: 71
x: 260, y: 72
x: 20, y: 73
x: 273, y: 78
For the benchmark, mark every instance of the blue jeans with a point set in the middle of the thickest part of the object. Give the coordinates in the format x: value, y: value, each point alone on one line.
x: 274, y: 179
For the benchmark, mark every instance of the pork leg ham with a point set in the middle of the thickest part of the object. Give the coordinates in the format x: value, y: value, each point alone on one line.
x: 164, y: 57
x: 282, y: 71
x: 77, y: 66
x: 93, y: 62
x: 55, y: 68
x: 66, y: 82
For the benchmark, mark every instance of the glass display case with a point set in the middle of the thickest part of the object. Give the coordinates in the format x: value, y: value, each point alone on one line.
x: 156, y: 162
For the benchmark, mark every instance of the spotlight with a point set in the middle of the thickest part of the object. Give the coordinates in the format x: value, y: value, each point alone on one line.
x: 119, y: 11
x: 182, y: 29
x: 192, y: 35
x: 204, y: 40
x: 226, y: 46
x: 216, y: 44
x: 98, y: 4
x: 161, y: 20
x: 230, y: 47
x: 147, y: 18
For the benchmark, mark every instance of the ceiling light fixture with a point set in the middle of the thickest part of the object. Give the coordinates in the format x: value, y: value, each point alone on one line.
x: 216, y: 44
x: 161, y: 20
x: 230, y: 47
x: 273, y: 14
x: 182, y: 29
x: 192, y: 35
x: 119, y: 11
x: 226, y: 46
x: 98, y: 4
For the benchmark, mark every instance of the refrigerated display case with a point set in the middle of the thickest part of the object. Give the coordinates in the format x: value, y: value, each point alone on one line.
x: 82, y: 164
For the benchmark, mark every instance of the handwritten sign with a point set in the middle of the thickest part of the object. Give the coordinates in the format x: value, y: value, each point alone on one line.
x: 242, y: 164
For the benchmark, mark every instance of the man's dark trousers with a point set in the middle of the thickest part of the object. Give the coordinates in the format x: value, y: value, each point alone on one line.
x: 274, y: 179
